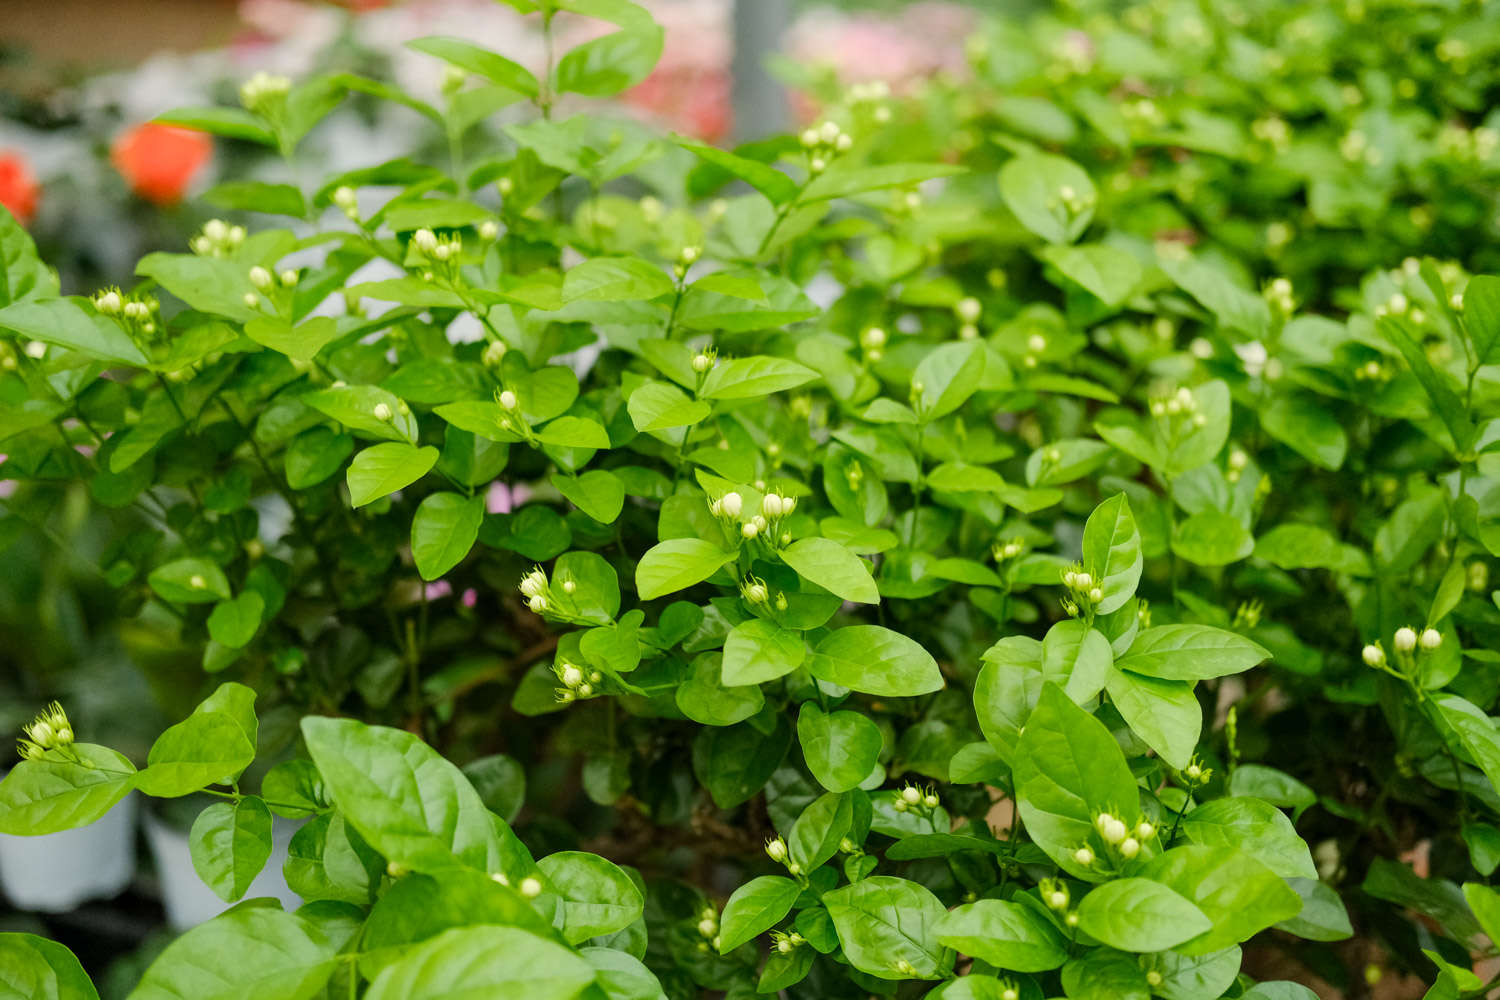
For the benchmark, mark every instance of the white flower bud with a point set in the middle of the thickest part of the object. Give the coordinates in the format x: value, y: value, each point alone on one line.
x: 260, y: 277
x: 584, y: 690
x: 756, y: 593
x: 702, y: 363
x: 289, y: 277
x: 1057, y: 899
x: 489, y: 230
x: 108, y: 303
x: 1096, y: 595
x: 1406, y: 639
x: 1373, y: 655
x: 1129, y: 847
x: 571, y: 675
x: 776, y: 849
x: 197, y: 582
x: 1083, y: 856
x: 749, y: 529
x: 345, y: 198
x: 1036, y: 343
x: 1153, y: 978
x: 569, y: 586
x: 708, y: 928
x: 383, y: 413
x: 770, y: 505
x: 911, y: 795
x: 809, y: 137
x: 531, y: 887
x: 873, y: 337
x: 968, y: 309
x: 732, y: 504
x: 1145, y: 831
x: 817, y: 165
x: 252, y: 300
x: 508, y: 400
x: 1084, y: 581
x: 425, y: 240
x: 1431, y: 639
x: 844, y: 143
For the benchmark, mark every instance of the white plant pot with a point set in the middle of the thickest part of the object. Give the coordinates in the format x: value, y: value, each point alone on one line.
x: 56, y: 872
x: 187, y: 900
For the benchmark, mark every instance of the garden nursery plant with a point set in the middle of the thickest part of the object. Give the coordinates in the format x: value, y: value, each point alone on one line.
x: 862, y: 563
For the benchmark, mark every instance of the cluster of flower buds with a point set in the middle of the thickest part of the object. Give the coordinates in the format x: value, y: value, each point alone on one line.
x: 441, y: 252
x: 385, y: 413
x: 1399, y: 305
x: 872, y: 340
x: 48, y: 731
x: 703, y: 362
x: 217, y: 239
x: 137, y: 313
x: 1273, y: 131
x: 1278, y: 293
x: 708, y: 928
x: 1070, y: 200
x: 875, y: 93
x: 265, y: 93
x: 755, y: 591
x: 1195, y: 775
x: 1036, y: 346
x: 968, y: 310
x: 785, y: 943
x: 494, y: 353
x: 1084, y: 590
x: 1478, y: 576
x: 686, y: 258
x: 822, y: 143
x: 729, y: 506
x: 1054, y: 894
x: 265, y: 283
x: 530, y: 886
x: 1180, y: 402
x: 910, y: 798
x: 1248, y: 614
x: 346, y: 201
x: 511, y: 419
x: 1409, y: 645
x: 1237, y: 462
x: 537, y: 590
x: 1011, y: 549
x: 776, y: 850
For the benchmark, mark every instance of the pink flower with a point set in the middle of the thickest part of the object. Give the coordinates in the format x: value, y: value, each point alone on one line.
x: 19, y: 190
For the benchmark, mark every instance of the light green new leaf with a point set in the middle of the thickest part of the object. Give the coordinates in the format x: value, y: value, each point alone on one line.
x: 48, y: 794
x: 382, y: 469
x: 249, y: 953
x: 832, y: 567
x: 614, y: 279
x: 443, y: 530
x: 33, y: 968
x: 759, y: 650
x: 1190, y: 653
x: 1255, y: 827
x: 754, y: 908
x: 230, y: 843
x: 875, y: 660
x: 190, y: 581
x: 1077, y: 658
x: 233, y: 623
x: 676, y: 564
x: 598, y: 493
x: 1032, y: 186
x: 1136, y: 914
x: 841, y: 748
x: 1238, y: 894
x: 657, y: 406
x: 1007, y: 935
x: 597, y: 896
x: 484, y: 961
x: 1112, y: 552
x: 67, y: 324
x: 882, y: 921
x: 1163, y: 713
x: 751, y: 378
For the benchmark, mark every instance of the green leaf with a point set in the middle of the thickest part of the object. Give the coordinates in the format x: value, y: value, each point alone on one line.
x: 443, y: 530
x: 820, y: 828
x: 1308, y: 427
x: 657, y: 406
x: 754, y: 908
x: 1112, y: 552
x: 232, y: 123
x: 233, y: 623
x: 249, y: 953
x: 1190, y: 653
x: 33, y: 968
x: 1482, y: 316
x: 1212, y: 538
x: 47, y: 794
x: 405, y: 800
x: 884, y: 920
x: 216, y: 285
x: 759, y: 650
x: 1235, y: 308
x: 230, y: 843
x: 948, y: 375
x: 605, y: 66
x: 1006, y: 935
x: 766, y: 179
x: 1077, y: 658
x: 598, y: 493
x: 482, y: 62
x: 65, y: 323
x: 1163, y: 713
x: 841, y: 181
x: 1323, y: 917
x: 751, y: 378
x: 841, y: 748
x: 1473, y: 729
x: 703, y: 697
x: 614, y: 279
x: 359, y: 407
x: 574, y: 432
x: 1309, y: 546
x: 677, y: 563
x: 1107, y: 273
x: 214, y: 745
x: 382, y: 469
x: 735, y: 762
x: 257, y: 196
x: 190, y: 581
x: 22, y: 273
x: 301, y: 342
x: 1068, y: 769
x: 622, y: 976
x: 1238, y: 894
x: 1032, y: 187
x: 832, y: 567
x: 597, y: 897
x: 314, y: 455
x: 1440, y: 386
x: 875, y: 660
x: 484, y: 961
x: 1105, y: 974
x: 1136, y: 914
x: 1255, y: 827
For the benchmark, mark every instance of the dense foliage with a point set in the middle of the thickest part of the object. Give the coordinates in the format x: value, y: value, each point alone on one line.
x: 933, y: 554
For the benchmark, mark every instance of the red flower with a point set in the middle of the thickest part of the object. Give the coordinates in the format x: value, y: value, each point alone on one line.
x: 18, y: 187
x: 159, y: 161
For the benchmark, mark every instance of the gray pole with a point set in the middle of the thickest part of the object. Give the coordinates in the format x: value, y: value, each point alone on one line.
x: 760, y: 104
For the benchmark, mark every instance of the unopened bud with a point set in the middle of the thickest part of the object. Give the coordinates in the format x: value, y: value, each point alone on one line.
x: 1406, y: 639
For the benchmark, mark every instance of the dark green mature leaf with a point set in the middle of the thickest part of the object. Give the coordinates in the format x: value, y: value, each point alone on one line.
x: 1441, y: 388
